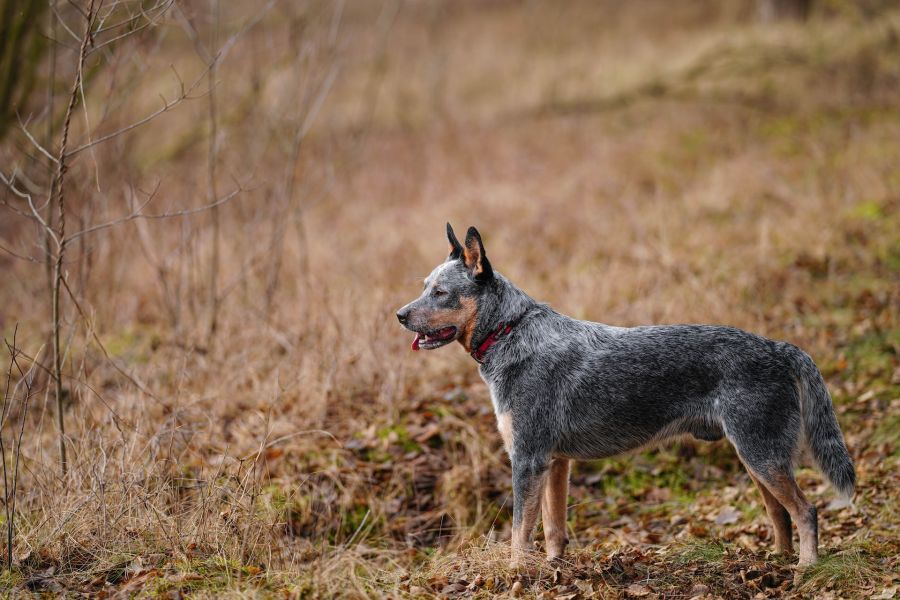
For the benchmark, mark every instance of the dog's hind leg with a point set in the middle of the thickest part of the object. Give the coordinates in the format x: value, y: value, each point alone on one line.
x: 784, y: 489
x: 781, y: 519
x: 553, y: 508
x: 779, y: 482
x: 765, y: 427
x: 529, y: 478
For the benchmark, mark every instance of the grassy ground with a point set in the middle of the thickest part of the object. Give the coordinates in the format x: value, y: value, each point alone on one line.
x: 628, y: 163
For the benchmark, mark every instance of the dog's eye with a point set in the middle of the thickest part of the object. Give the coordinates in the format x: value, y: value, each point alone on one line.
x: 440, y: 293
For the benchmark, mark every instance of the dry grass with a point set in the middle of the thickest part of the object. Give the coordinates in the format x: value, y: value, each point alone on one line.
x: 629, y: 164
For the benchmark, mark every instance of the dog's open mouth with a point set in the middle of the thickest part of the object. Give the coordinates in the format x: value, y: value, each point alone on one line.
x: 436, y: 339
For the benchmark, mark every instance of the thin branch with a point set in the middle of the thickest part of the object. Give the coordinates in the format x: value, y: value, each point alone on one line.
x: 167, y: 106
x: 27, y: 197
x: 230, y: 42
x: 138, y: 215
x: 58, y: 187
x: 185, y: 94
x: 132, y: 18
x: 28, y: 379
x: 16, y: 210
x: 19, y: 256
x: 6, y: 482
x: 96, y: 338
x: 34, y: 142
x: 118, y: 420
x: 319, y: 101
x: 62, y: 22
x: 211, y: 163
x: 150, y: 21
x: 87, y: 16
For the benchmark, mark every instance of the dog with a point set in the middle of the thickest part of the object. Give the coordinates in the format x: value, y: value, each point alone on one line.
x: 565, y: 390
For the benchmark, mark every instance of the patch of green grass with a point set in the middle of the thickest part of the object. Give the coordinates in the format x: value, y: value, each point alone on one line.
x: 9, y: 579
x: 398, y: 434
x: 356, y: 521
x: 846, y: 570
x: 699, y: 550
x: 134, y: 344
x: 867, y: 210
x: 873, y: 353
x: 631, y: 476
x: 888, y: 430
x: 210, y: 577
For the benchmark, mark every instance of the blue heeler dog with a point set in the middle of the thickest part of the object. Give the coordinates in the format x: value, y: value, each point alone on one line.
x: 565, y: 389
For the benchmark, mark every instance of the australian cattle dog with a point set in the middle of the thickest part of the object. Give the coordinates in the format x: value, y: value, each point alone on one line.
x: 565, y: 390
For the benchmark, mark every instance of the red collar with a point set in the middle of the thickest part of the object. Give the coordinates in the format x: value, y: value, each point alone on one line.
x: 492, y: 339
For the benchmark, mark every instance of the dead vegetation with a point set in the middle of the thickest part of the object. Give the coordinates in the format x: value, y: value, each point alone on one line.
x: 265, y: 431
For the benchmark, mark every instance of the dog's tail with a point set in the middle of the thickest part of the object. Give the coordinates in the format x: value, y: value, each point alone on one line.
x: 820, y: 426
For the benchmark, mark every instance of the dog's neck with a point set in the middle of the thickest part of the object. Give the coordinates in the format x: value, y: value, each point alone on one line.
x: 502, y: 304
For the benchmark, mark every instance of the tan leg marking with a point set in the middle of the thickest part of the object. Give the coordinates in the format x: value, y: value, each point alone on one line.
x: 779, y: 516
x: 785, y: 490
x: 553, y: 507
x: 504, y: 424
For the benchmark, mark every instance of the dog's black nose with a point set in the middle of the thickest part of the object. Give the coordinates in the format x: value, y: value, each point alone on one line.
x: 403, y: 316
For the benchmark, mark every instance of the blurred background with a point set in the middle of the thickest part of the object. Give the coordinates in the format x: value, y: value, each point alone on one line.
x: 211, y: 211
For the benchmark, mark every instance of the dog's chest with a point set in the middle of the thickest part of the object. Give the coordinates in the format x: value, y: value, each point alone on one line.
x: 494, y: 398
x: 504, y: 418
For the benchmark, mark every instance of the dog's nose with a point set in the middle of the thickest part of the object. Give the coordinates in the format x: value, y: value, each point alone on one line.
x: 403, y: 316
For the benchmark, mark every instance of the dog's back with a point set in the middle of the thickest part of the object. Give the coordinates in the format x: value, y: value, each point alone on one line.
x: 607, y: 390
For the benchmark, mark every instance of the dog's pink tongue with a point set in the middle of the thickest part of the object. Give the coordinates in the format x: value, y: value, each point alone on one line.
x: 415, y: 344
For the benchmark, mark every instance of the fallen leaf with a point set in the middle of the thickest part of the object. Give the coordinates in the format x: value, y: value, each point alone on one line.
x: 727, y: 516
x: 699, y: 589
x: 453, y: 588
x: 429, y: 432
x: 637, y: 590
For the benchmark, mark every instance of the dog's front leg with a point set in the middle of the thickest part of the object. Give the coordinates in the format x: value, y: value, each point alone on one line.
x: 553, y: 508
x: 529, y: 477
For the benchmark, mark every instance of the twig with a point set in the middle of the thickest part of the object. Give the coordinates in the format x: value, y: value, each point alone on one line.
x: 19, y: 256
x: 34, y: 211
x: 59, y: 188
x: 161, y: 7
x: 6, y: 484
x: 139, y: 215
x: 11, y: 482
x: 167, y: 106
x: 34, y: 142
x: 28, y: 379
x: 212, y: 162
x: 93, y: 333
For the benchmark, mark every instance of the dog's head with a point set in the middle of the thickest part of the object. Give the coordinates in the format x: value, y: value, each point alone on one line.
x: 449, y: 305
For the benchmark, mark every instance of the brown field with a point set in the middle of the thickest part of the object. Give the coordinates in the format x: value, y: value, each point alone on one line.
x: 243, y: 415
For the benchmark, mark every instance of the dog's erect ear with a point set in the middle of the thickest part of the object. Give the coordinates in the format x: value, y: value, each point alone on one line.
x: 456, y: 248
x: 474, y: 257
